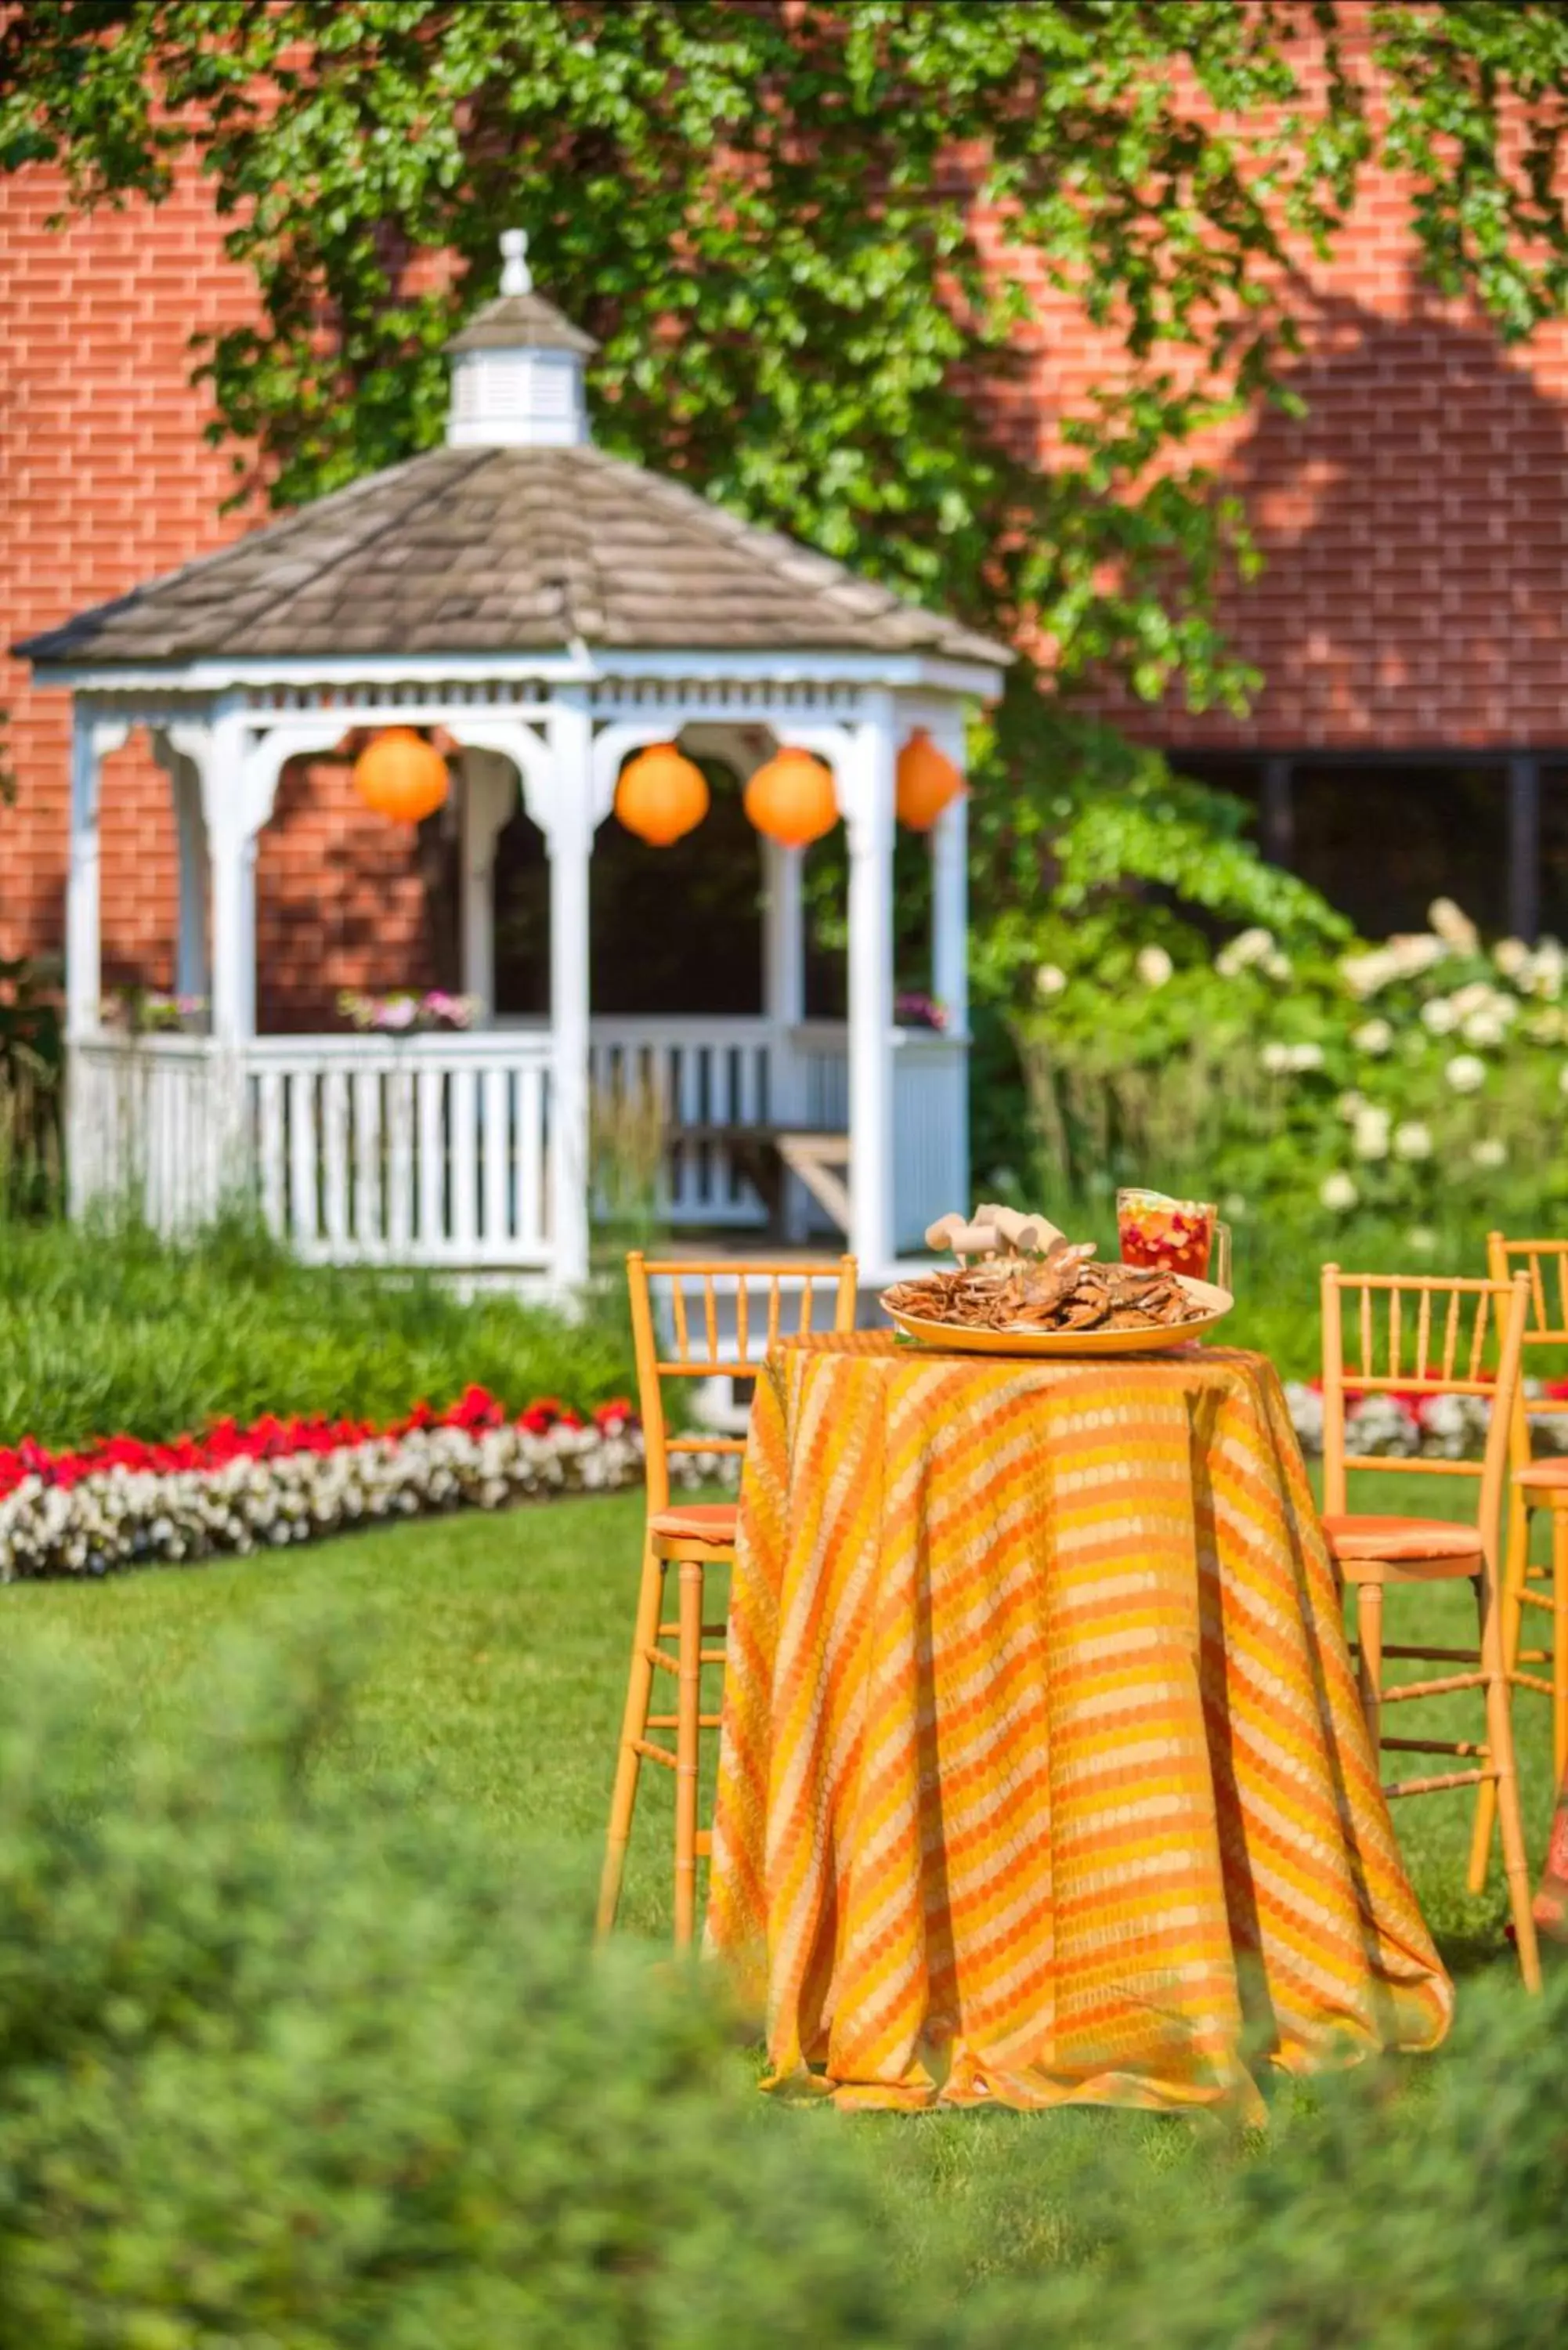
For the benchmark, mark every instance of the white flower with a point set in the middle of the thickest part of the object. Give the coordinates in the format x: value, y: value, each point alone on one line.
x: 1455, y: 929
x: 1476, y: 995
x: 1372, y: 1036
x: 1413, y: 952
x: 1050, y: 979
x: 1305, y: 1405
x: 1465, y: 1074
x: 1545, y: 1027
x: 1338, y: 1193
x: 1489, y: 1151
x: 1277, y: 966
x: 1378, y: 1424
x: 1512, y: 957
x: 1280, y: 1058
x: 1235, y: 1206
x: 1412, y: 1139
x: 1364, y: 974
x: 1440, y: 1016
x: 1248, y: 948
x: 1546, y: 969
x: 1349, y: 1103
x: 1153, y: 966
x: 1369, y: 1134
x: 1422, y: 1241
x: 1562, y: 1078
x: 1484, y: 1028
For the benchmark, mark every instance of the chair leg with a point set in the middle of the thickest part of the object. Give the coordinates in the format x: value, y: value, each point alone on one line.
x: 1369, y: 1640
x: 1499, y: 1741
x: 1559, y: 1644
x: 688, y: 1728
x: 1516, y: 1567
x: 633, y: 1729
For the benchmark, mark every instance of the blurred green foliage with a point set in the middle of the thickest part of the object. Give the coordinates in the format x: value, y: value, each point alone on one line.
x: 281, y: 2068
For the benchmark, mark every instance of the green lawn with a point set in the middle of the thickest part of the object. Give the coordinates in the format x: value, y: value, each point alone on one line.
x: 494, y: 1656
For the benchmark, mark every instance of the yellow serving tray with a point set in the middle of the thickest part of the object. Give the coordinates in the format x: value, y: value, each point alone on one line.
x: 951, y: 1338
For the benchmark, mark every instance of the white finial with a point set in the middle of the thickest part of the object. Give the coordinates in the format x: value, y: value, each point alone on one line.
x: 516, y: 277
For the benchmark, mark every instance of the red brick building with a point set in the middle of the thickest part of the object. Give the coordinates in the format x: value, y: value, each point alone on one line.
x: 1411, y: 736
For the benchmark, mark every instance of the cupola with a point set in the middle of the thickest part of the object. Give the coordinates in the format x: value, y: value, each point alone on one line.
x: 517, y: 367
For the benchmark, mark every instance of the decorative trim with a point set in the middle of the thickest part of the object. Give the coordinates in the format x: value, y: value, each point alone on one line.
x: 445, y: 671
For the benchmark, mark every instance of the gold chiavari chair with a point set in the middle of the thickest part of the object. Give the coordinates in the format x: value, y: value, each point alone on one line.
x: 737, y: 1302
x: 1431, y: 1336
x: 1531, y: 1592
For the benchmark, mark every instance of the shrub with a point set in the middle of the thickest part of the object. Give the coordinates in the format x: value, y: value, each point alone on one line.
x: 1419, y: 1083
x: 271, y: 2073
x: 109, y: 1330
x: 1388, y: 2216
x: 277, y: 2071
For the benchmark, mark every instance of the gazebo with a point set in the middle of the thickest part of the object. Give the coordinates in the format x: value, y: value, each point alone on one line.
x: 553, y: 611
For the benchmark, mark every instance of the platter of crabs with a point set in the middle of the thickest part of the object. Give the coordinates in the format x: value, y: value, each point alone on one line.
x: 1022, y: 1287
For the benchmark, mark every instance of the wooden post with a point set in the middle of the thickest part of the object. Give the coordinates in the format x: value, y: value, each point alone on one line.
x: 192, y: 977
x: 233, y: 847
x: 869, y: 812
x: 1525, y: 846
x: 570, y: 836
x: 489, y: 798
x: 950, y: 914
x: 1277, y: 816
x: 84, y: 968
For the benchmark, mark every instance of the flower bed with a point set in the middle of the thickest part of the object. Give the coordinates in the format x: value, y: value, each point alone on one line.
x: 1392, y: 1426
x: 235, y: 1490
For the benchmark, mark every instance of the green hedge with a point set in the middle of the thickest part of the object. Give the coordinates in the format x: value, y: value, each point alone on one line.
x: 277, y: 2072
x: 110, y: 1330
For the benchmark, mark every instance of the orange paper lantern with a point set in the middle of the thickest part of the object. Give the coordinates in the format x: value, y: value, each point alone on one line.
x: 402, y: 777
x: 928, y: 782
x: 661, y: 795
x: 792, y: 800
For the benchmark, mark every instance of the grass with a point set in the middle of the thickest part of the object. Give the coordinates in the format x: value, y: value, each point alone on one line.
x: 111, y: 1330
x: 495, y: 1653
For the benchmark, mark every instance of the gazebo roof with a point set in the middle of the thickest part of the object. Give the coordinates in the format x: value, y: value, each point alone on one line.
x: 519, y: 536
x: 506, y: 550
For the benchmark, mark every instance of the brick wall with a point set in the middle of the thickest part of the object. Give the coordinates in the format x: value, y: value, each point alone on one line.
x: 1413, y: 525
x: 105, y: 481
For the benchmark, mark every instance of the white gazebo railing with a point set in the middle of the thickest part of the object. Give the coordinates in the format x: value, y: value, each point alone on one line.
x: 431, y: 1150
x: 435, y: 1150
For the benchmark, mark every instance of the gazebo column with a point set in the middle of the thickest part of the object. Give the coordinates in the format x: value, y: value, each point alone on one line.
x: 784, y: 1003
x: 489, y: 798
x: 570, y: 836
x: 92, y: 739
x: 179, y: 750
x: 232, y: 838
x: 869, y: 812
x: 949, y: 904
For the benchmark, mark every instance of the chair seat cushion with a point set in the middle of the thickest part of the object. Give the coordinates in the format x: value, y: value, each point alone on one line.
x: 1400, y: 1539
x: 703, y: 1522
x: 1544, y: 1477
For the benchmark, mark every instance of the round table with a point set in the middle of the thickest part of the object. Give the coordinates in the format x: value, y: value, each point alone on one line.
x: 1043, y: 1776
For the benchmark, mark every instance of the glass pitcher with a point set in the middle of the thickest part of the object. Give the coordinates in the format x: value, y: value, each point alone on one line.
x: 1173, y: 1236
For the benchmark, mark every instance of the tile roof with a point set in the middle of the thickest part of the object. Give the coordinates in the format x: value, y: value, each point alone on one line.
x: 522, y: 322
x: 507, y: 550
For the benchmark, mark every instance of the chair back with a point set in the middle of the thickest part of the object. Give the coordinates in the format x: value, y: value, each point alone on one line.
x: 1415, y: 1336
x: 771, y: 1300
x: 1545, y: 1265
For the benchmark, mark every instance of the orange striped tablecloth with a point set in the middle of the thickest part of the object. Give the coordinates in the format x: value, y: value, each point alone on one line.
x: 1043, y: 1777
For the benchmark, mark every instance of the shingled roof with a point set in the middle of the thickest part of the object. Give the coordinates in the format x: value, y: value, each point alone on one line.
x: 506, y: 550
